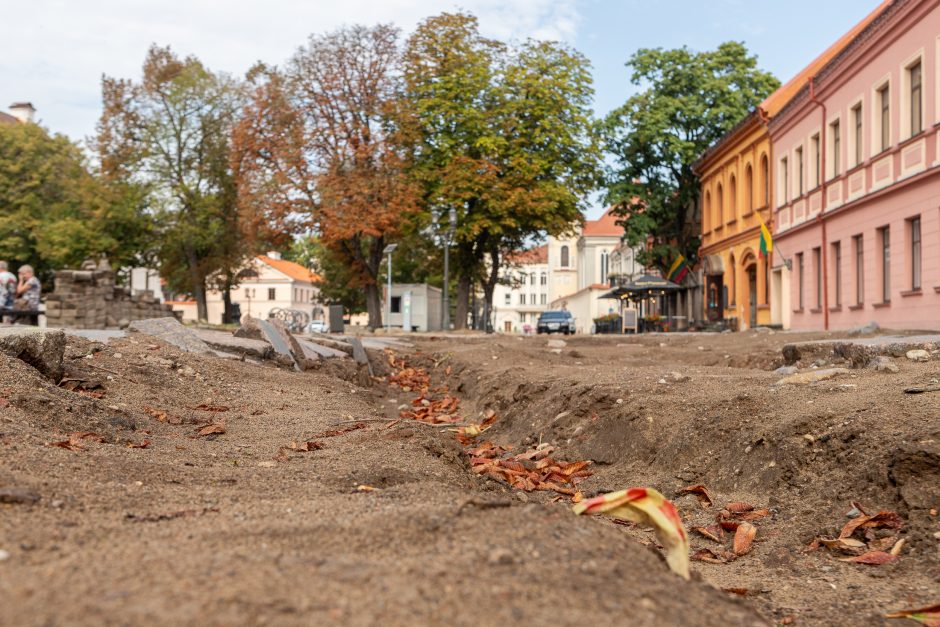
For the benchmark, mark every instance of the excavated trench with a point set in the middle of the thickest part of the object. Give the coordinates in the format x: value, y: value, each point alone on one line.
x: 704, y: 415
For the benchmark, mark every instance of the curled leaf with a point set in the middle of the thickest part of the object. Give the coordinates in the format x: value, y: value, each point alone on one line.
x: 646, y: 506
x: 712, y: 532
x: 743, y: 538
x: 714, y: 556
x: 884, y: 518
x: 700, y: 491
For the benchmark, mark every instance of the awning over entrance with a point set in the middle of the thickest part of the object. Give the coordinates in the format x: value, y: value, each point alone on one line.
x: 714, y: 264
x: 647, y: 285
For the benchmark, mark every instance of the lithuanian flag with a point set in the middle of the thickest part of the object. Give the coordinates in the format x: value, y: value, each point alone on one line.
x: 766, y: 241
x: 678, y: 270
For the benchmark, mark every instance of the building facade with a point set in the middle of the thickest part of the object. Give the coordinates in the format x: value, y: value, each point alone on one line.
x: 523, y: 291
x: 269, y: 282
x: 735, y: 195
x: 857, y: 167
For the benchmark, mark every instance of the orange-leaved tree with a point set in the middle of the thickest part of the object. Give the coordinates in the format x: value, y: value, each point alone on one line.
x: 322, y: 148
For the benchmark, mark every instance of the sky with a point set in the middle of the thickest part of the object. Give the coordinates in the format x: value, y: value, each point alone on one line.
x: 54, y: 52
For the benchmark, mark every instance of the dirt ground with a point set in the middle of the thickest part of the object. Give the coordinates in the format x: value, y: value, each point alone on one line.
x: 175, y: 497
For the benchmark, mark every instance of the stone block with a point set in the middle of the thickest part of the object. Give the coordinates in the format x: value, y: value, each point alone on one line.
x: 43, y: 349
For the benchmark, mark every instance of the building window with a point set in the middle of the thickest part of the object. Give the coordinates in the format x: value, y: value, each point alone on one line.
x: 543, y: 298
x: 605, y: 265
x: 271, y: 293
x: 914, y: 229
x: 532, y: 279
x: 815, y: 144
x: 836, y: 133
x: 800, y: 278
x: 720, y: 207
x: 764, y: 181
x: 543, y: 279
x: 914, y: 78
x: 785, y: 181
x: 396, y: 304
x: 799, y: 171
x: 733, y: 282
x: 733, y: 199
x: 564, y: 256
x: 837, y: 274
x: 522, y: 299
x: 884, y: 121
x: 858, y: 137
x: 508, y: 300
x: 858, y: 241
x: 884, y: 235
x: 748, y: 189
x: 707, y: 214
x: 817, y: 267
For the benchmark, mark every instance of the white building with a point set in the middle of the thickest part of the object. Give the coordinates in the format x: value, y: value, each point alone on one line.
x: 269, y: 282
x: 417, y: 304
x: 523, y: 291
x: 569, y: 272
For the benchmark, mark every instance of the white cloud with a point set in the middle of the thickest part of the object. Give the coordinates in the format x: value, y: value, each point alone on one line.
x: 55, y: 51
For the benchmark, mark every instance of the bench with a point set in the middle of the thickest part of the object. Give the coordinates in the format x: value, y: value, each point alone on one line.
x: 15, y: 315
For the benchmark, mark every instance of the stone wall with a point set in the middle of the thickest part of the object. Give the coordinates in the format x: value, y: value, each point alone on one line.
x: 89, y: 299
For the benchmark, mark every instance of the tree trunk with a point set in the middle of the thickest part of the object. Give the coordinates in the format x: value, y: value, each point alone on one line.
x: 198, y: 285
x: 463, y: 302
x: 489, y: 286
x: 227, y: 313
x: 374, y: 305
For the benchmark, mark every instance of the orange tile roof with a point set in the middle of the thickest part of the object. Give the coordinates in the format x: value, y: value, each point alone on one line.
x: 6, y: 118
x: 535, y: 255
x: 291, y: 269
x: 778, y: 100
x: 605, y: 226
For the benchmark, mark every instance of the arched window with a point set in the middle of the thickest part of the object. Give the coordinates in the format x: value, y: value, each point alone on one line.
x: 564, y: 256
x: 719, y: 207
x: 732, y: 283
x: 764, y: 181
x: 748, y: 189
x: 605, y: 265
x: 707, y: 214
x: 733, y: 199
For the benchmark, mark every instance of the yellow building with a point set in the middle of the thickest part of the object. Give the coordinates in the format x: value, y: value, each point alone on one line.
x: 735, y: 195
x: 736, y: 192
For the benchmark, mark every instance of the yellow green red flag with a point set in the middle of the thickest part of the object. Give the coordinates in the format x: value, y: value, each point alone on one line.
x: 678, y: 270
x: 766, y: 241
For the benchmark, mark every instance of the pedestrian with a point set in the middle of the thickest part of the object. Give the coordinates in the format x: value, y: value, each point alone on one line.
x: 7, y: 288
x: 28, y: 290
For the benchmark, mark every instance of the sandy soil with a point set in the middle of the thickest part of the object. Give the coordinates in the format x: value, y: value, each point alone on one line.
x: 233, y: 528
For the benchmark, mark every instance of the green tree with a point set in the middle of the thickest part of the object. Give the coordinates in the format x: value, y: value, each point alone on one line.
x: 688, y: 102
x: 502, y: 134
x: 170, y: 135
x: 54, y: 212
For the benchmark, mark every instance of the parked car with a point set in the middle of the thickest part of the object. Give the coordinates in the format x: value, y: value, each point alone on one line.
x: 555, y: 322
x: 317, y: 326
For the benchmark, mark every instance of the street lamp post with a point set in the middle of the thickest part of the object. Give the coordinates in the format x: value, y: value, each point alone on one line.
x: 447, y: 236
x: 388, y: 296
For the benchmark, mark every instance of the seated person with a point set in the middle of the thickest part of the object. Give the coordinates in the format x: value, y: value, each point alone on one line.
x: 28, y: 289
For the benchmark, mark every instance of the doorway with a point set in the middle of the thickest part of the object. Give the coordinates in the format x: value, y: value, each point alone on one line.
x: 507, y: 326
x: 752, y: 296
x: 714, y: 292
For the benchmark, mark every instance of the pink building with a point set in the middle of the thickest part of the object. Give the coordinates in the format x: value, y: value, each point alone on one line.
x: 857, y: 181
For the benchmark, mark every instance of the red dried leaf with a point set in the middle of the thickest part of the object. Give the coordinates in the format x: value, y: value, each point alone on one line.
x: 753, y: 515
x: 713, y: 557
x: 737, y: 508
x: 310, y: 445
x: 141, y: 444
x: 712, y: 532
x: 743, y: 538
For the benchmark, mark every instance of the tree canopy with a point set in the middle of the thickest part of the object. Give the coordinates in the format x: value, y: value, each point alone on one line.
x: 54, y: 211
x: 688, y: 101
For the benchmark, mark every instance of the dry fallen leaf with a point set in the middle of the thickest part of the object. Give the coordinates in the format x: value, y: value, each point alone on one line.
x: 212, y: 429
x: 872, y: 558
x: 712, y: 532
x: 207, y: 407
x: 849, y: 545
x: 646, y: 506
x: 310, y: 445
x: 929, y: 616
x: 700, y: 491
x: 743, y: 538
x: 884, y: 518
x: 738, y: 508
x: 714, y: 556
x: 365, y: 488
x: 141, y: 444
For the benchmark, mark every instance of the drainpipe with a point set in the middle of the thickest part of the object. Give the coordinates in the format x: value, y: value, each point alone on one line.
x: 821, y: 218
x: 771, y: 203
